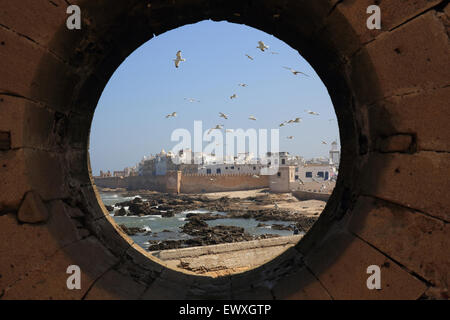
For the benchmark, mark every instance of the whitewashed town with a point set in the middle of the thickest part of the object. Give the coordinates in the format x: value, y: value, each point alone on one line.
x: 321, y: 172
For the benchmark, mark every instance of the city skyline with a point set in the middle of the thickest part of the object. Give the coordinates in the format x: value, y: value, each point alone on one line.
x: 130, y: 120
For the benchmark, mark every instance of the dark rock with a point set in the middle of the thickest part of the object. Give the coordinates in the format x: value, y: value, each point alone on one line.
x: 131, y: 231
x: 121, y: 212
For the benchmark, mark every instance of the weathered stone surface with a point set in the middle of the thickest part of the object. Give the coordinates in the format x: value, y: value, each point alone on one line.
x: 423, y: 114
x: 417, y: 241
x: 48, y: 280
x: 418, y: 181
x: 171, y: 285
x: 346, y: 24
x: 5, y: 140
x: 21, y: 17
x: 30, y: 61
x: 30, y: 125
x: 23, y: 247
x: 341, y: 266
x: 301, y: 285
x: 396, y: 143
x: 64, y: 223
x: 32, y: 209
x: 402, y: 63
x: 115, y: 286
x: 112, y: 235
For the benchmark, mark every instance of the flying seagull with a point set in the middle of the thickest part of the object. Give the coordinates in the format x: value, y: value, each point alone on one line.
x: 173, y: 114
x: 290, y: 137
x: 223, y: 115
x: 297, y: 120
x: 191, y: 100
x: 262, y: 46
x: 242, y: 85
x: 295, y: 72
x: 312, y: 112
x: 217, y: 127
x: 233, y: 96
x: 250, y: 57
x: 282, y: 124
x: 178, y: 59
x: 252, y: 118
x: 324, y: 142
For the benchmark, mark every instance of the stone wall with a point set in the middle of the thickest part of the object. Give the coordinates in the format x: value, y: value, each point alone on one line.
x: 198, y: 183
x: 156, y: 183
x: 305, y: 195
x: 227, y: 258
x: 175, y: 182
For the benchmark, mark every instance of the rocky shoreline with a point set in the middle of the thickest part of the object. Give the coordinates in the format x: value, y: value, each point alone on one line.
x: 262, y: 208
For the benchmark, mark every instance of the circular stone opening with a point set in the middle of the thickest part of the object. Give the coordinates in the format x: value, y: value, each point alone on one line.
x: 323, y: 56
x: 383, y: 146
x: 254, y: 184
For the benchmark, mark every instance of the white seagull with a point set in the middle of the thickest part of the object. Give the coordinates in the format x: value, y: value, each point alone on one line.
x: 252, y: 118
x: 312, y: 112
x: 324, y: 142
x: 223, y: 115
x: 217, y: 127
x: 295, y: 72
x: 234, y: 96
x: 178, y: 59
x: 242, y: 85
x: 191, y: 100
x: 173, y: 114
x: 297, y: 120
x: 250, y: 57
x: 262, y: 46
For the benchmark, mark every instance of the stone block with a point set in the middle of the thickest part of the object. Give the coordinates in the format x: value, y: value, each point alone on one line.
x: 32, y: 209
x: 423, y: 114
x: 413, y: 239
x: 341, y: 263
x: 401, y: 63
x: 49, y: 281
x: 301, y: 285
x: 29, y: 124
x: 115, y: 286
x: 30, y: 71
x: 418, y: 181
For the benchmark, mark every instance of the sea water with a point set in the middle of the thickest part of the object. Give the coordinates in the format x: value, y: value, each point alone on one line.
x: 170, y: 228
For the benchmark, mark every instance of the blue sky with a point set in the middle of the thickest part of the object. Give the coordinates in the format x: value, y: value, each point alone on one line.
x: 130, y: 122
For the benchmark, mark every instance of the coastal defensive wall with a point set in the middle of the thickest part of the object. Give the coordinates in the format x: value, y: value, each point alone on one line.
x: 390, y: 208
x: 191, y: 183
